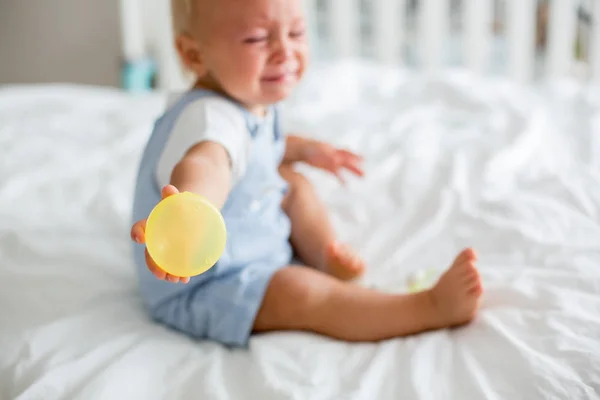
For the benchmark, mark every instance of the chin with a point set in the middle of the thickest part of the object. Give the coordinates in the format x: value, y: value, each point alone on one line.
x: 275, y: 95
x: 275, y: 98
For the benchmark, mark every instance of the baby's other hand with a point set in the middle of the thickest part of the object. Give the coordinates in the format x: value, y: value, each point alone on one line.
x: 138, y: 236
x: 324, y: 156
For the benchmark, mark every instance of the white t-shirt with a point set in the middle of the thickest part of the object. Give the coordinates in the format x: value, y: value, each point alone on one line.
x: 211, y: 119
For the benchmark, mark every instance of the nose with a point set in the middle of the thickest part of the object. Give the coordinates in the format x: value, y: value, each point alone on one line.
x: 282, y: 49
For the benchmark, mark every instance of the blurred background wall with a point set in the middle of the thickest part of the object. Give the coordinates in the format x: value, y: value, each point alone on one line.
x: 75, y: 41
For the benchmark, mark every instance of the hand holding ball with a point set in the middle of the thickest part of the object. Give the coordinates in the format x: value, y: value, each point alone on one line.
x: 185, y: 235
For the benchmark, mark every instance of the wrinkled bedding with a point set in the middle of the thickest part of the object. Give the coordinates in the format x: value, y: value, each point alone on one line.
x: 451, y: 162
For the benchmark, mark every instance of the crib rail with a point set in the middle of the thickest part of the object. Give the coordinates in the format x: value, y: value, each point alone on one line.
x: 384, y: 29
x: 595, y: 48
x: 433, y: 30
x: 388, y: 34
x: 478, y: 17
x: 388, y: 19
x: 520, y: 35
x: 562, y: 37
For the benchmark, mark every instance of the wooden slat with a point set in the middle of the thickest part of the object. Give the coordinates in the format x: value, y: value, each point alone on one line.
x: 561, y: 37
x: 520, y: 20
x: 345, y: 29
x: 595, y: 49
x: 388, y: 29
x: 433, y: 30
x: 478, y: 33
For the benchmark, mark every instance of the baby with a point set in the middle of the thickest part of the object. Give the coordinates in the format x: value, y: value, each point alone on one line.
x: 282, y: 268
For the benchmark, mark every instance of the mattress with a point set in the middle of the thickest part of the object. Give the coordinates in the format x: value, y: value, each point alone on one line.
x: 450, y: 162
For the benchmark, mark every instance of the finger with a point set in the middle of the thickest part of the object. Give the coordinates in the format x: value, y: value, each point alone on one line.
x: 169, y: 190
x: 351, y: 155
x: 340, y: 178
x: 330, y: 164
x: 155, y: 269
x: 354, y: 168
x: 178, y: 279
x: 352, y: 162
x: 334, y: 165
x: 138, y: 232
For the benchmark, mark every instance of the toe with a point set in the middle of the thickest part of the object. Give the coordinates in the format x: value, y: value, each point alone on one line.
x: 345, y: 255
x: 476, y: 289
x: 467, y: 255
x: 468, y: 268
x: 463, y: 256
x: 461, y: 270
x: 468, y: 283
x: 471, y: 254
x: 357, y: 264
x: 474, y: 283
x: 333, y: 250
x: 354, y: 260
x: 459, y: 258
x: 471, y: 275
x: 343, y: 262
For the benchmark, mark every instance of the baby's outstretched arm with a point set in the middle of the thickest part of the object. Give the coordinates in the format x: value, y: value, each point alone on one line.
x: 203, y: 170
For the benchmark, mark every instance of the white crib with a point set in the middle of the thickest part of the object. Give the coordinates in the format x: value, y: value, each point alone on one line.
x: 427, y: 34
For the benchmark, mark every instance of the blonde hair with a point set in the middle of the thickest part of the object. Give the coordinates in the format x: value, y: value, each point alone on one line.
x: 181, y: 11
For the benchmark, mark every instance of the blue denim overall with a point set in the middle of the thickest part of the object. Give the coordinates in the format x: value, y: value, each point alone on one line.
x: 222, y: 303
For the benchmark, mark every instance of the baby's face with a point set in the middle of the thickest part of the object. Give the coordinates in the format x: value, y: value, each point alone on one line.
x: 255, y: 50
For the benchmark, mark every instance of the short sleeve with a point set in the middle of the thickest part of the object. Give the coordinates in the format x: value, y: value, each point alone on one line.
x: 208, y: 119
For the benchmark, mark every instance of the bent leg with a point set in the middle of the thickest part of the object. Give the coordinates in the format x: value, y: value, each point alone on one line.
x: 299, y: 298
x: 313, y: 237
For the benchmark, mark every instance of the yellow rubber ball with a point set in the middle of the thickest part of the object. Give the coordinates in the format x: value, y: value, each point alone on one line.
x: 185, y: 235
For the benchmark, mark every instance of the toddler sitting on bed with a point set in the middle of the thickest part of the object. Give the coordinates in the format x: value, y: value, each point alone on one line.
x: 222, y: 140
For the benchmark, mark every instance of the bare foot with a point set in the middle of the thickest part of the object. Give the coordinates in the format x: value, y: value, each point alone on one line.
x: 342, y: 262
x: 456, y: 295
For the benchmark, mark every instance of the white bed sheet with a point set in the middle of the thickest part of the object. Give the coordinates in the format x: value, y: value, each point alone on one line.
x: 450, y: 163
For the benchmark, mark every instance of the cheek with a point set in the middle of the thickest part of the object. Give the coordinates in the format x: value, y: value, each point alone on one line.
x: 249, y: 64
x: 236, y: 61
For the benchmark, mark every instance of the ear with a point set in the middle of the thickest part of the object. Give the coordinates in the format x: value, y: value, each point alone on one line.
x: 190, y: 54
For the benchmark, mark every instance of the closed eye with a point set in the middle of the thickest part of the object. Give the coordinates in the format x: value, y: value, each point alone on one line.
x: 297, y: 34
x: 257, y: 39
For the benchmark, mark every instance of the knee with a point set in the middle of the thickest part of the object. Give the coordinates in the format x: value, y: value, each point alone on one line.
x: 299, y: 185
x: 289, y: 301
x: 299, y: 289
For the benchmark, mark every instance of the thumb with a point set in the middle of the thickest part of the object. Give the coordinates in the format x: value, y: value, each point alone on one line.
x: 138, y: 232
x: 169, y: 190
